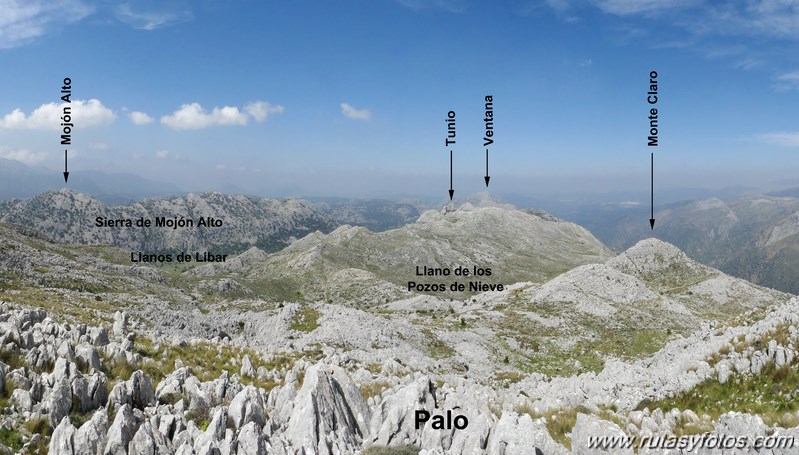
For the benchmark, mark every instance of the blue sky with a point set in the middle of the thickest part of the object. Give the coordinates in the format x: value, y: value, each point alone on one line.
x: 349, y: 97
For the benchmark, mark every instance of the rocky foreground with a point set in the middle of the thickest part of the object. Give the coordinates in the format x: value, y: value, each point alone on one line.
x: 77, y: 389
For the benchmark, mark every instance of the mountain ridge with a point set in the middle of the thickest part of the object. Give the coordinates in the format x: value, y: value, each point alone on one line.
x: 753, y: 237
x: 592, y: 341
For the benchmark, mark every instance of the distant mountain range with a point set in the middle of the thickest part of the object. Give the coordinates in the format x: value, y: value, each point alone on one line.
x: 20, y: 181
x: 70, y: 217
x: 67, y: 216
x: 753, y: 237
x: 374, y: 214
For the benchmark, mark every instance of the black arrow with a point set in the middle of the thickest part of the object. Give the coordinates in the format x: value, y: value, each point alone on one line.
x: 451, y: 191
x: 652, y: 191
x: 487, y: 177
x: 66, y: 172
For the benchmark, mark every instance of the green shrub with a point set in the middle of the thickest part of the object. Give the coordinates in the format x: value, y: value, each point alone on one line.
x: 39, y: 425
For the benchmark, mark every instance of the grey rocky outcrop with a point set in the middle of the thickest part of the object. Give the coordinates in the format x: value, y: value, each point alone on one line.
x: 588, y: 427
x: 247, y: 369
x: 120, y: 327
x: 87, y: 356
x: 121, y: 431
x: 248, y: 406
x: 62, y: 441
x: 90, y: 437
x: 149, y: 441
x: 248, y: 220
x: 330, y: 415
x: 251, y: 441
x: 136, y: 391
x: 392, y: 421
x: 516, y: 434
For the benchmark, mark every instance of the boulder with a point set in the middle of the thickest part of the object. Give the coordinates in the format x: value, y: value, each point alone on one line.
x: 59, y: 401
x: 90, y: 437
x: 185, y: 449
x: 149, y: 441
x: 80, y: 393
x: 141, y: 390
x: 136, y: 391
x: 208, y: 442
x: 121, y: 431
x: 247, y: 406
x: 87, y: 357
x: 62, y: 442
x: 172, y: 387
x: 96, y: 390
x: 247, y: 369
x: 251, y: 442
x: 740, y: 424
x: 98, y: 336
x: 330, y: 415
x: 120, y: 327
x: 66, y: 350
x: 392, y: 422
x: 22, y: 400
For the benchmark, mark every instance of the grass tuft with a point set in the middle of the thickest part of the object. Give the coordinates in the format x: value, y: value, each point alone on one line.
x: 770, y: 394
x: 305, y: 320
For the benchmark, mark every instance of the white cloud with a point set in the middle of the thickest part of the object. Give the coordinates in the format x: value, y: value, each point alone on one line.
x: 782, y: 139
x: 85, y: 114
x: 560, y: 6
x: 787, y: 81
x: 260, y: 110
x: 220, y: 167
x: 22, y: 21
x: 167, y: 155
x: 772, y: 18
x: 23, y: 155
x: 140, y: 118
x: 99, y: 146
x: 193, y: 116
x: 150, y: 20
x: 627, y: 7
x: 353, y: 113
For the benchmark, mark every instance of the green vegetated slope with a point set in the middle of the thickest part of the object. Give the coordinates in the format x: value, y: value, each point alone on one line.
x: 568, y: 306
x: 772, y: 393
x: 86, y: 283
x: 355, y: 264
x: 626, y: 308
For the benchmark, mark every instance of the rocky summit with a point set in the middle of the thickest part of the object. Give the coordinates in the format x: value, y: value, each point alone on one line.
x: 323, y: 347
